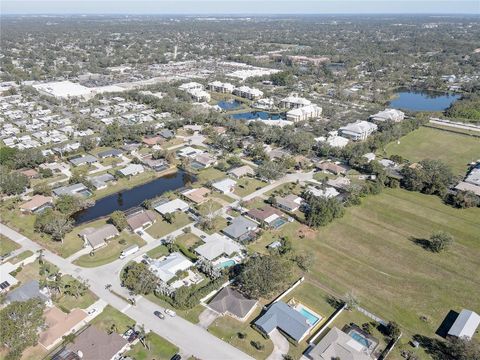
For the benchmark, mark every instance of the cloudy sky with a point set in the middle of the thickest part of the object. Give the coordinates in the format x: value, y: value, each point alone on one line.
x: 238, y: 6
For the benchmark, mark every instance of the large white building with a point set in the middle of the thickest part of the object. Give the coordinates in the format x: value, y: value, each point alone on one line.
x: 248, y: 92
x: 191, y: 86
x: 294, y: 102
x: 390, y: 115
x: 359, y: 130
x: 304, y: 113
x: 220, y: 87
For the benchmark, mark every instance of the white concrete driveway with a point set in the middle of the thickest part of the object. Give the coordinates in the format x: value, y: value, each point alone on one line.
x: 280, y: 346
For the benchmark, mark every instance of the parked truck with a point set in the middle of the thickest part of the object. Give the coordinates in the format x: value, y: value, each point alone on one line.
x: 129, y: 251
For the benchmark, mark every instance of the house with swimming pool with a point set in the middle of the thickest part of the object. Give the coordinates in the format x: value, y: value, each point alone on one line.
x: 219, y: 249
x: 268, y: 216
x: 296, y: 321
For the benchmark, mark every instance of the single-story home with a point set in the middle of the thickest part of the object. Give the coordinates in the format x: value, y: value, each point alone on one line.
x: 172, y: 206
x: 241, y: 229
x: 131, y: 170
x: 151, y: 140
x: 229, y: 301
x: 95, y: 344
x: 339, y: 183
x: 166, y: 268
x: 465, y: 325
x: 197, y: 196
x: 225, y: 186
x: 285, y: 318
x: 83, y: 160
x: 338, y: 345
x: 265, y: 215
x: 332, y: 167
x: 203, y: 161
x: 289, y: 203
x: 141, y: 220
x: 388, y: 115
x: 241, y: 171
x: 30, y: 173
x: 59, y: 324
x: 37, y: 204
x: 464, y: 186
x: 216, y: 245
x: 75, y: 189
x: 100, y: 181
x: 97, y: 238
x: 189, y: 152
x: 167, y: 134
x: 110, y: 153
x: 327, y: 192
x: 27, y: 291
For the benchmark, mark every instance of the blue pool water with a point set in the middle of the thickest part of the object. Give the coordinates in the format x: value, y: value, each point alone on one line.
x: 423, y: 100
x: 359, y: 338
x: 311, y: 319
x: 252, y: 115
x: 278, y: 223
x: 229, y: 105
x: 226, y: 264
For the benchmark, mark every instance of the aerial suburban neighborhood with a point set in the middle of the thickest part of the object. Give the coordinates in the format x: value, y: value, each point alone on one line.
x: 284, y: 185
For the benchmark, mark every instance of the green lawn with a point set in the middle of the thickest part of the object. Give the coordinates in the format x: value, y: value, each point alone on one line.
x: 160, y: 349
x: 247, y: 185
x: 227, y: 329
x: 111, y: 252
x: 188, y: 240
x: 7, y: 245
x: 371, y: 251
x: 157, y: 252
x: 210, y: 174
x: 70, y: 302
x: 219, y: 223
x: 29, y: 272
x: 111, y: 316
x: 162, y: 228
x: 456, y: 150
x: 22, y: 256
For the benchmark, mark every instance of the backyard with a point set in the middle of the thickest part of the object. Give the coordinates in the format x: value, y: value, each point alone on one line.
x: 162, y: 227
x: 381, y: 238
x: 112, y: 319
x: 246, y: 186
x: 454, y: 149
x: 160, y: 349
x: 7, y: 245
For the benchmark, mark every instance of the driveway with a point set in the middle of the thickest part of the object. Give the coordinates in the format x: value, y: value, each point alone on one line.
x: 206, y: 318
x: 280, y: 346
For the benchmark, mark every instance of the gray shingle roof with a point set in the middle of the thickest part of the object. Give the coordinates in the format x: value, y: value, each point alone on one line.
x: 231, y: 301
x: 239, y: 227
x: 29, y: 290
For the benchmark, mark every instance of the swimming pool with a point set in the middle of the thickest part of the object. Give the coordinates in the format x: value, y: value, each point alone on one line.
x: 359, y: 338
x: 278, y: 222
x: 226, y: 264
x: 311, y: 319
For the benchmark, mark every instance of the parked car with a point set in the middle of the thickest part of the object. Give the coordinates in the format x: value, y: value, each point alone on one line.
x: 203, y: 236
x: 176, y: 357
x: 91, y: 311
x: 159, y: 314
x: 170, y: 312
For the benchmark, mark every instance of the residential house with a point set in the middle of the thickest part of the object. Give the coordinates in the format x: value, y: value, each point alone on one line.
x: 248, y: 93
x: 265, y: 215
x: 166, y: 134
x: 197, y: 196
x: 359, y: 130
x: 331, y: 167
x: 290, y: 203
x: 217, y: 245
x: 97, y: 237
x: 100, y: 181
x: 229, y: 301
x: 338, y: 345
x: 131, y: 170
x: 199, y: 95
x: 151, y: 140
x: 167, y: 267
x: 30, y: 173
x: 218, y: 86
x: 241, y: 229
x: 27, y: 291
x: 59, y: 324
x: 110, y: 153
x: 141, y: 220
x: 189, y: 152
x: 304, y: 113
x: 203, y: 161
x: 83, y: 160
x: 75, y: 189
x: 286, y: 319
x: 388, y: 115
x: 169, y: 207
x: 325, y: 192
x: 465, y: 324
x: 37, y: 204
x: 241, y: 171
x: 94, y: 344
x: 225, y: 186
x: 294, y: 102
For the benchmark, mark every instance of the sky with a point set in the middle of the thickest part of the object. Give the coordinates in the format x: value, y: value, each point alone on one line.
x: 240, y: 7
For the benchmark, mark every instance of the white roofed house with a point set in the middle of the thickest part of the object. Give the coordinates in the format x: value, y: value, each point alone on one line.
x: 216, y: 245
x: 97, y: 238
x: 172, y: 206
x: 199, y: 95
x: 465, y: 325
x: 248, y: 93
x: 391, y: 115
x: 225, y: 186
x: 167, y: 267
x: 241, y: 171
x: 131, y: 170
x: 304, y: 113
x: 359, y: 130
x: 203, y: 161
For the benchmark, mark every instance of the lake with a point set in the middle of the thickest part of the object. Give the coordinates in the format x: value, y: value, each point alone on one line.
x: 229, y: 105
x: 129, y: 198
x: 263, y: 115
x: 423, y: 100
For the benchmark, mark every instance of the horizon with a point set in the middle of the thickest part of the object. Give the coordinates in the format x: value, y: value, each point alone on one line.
x: 240, y: 8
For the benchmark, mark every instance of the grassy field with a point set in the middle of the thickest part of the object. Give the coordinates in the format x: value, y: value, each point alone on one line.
x: 227, y: 329
x: 210, y: 174
x: 111, y: 316
x: 7, y: 245
x: 456, y: 150
x: 157, y: 252
x: 187, y: 240
x: 162, y: 228
x: 372, y: 251
x: 160, y: 349
x: 70, y: 302
x: 246, y: 186
x: 111, y: 252
x: 22, y: 256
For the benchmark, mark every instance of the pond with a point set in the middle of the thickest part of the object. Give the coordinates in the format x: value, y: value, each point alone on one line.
x: 229, y: 104
x: 129, y: 198
x: 422, y: 100
x: 263, y: 115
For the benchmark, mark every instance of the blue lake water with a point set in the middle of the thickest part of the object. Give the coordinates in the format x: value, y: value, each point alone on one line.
x: 229, y: 105
x: 263, y: 115
x: 130, y: 198
x: 423, y: 100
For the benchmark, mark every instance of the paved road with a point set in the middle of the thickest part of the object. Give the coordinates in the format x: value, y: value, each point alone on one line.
x: 454, y: 124
x: 190, y: 338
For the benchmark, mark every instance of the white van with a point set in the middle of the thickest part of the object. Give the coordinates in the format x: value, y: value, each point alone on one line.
x: 129, y: 251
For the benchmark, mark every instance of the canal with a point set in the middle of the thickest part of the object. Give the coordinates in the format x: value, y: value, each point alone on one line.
x: 129, y: 198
